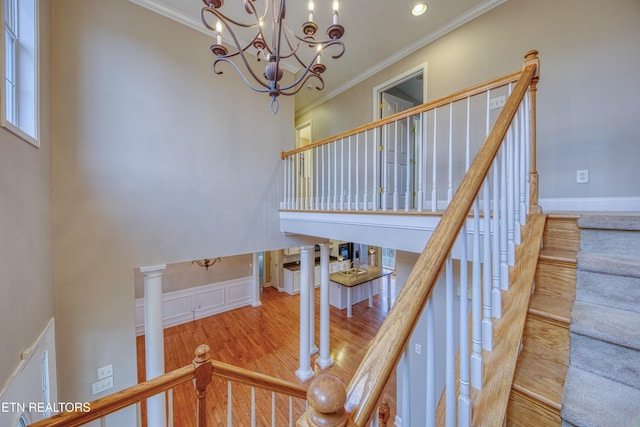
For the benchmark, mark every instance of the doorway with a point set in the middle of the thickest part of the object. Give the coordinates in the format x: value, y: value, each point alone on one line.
x: 397, y: 158
x: 304, y: 182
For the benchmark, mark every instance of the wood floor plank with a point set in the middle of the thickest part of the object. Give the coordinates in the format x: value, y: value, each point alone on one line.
x: 264, y: 339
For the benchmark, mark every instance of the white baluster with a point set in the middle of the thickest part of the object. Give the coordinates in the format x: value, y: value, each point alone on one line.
x: 283, y: 205
x: 527, y: 161
x: 504, y: 261
x: 170, y: 407
x: 516, y: 176
x: 408, y: 195
x: 421, y: 161
x: 317, y: 177
x: 323, y: 196
x: 464, y: 402
x: 385, y: 169
x: 511, y: 203
x: 434, y: 189
x: 487, y: 321
x: 273, y: 409
x: 450, y: 368
x: 375, y: 194
x: 342, y: 186
x: 290, y: 411
x: 357, y: 195
x: 335, y: 176
x: 496, y: 293
x: 431, y: 366
x: 396, y: 166
x: 253, y: 407
x: 523, y: 164
x: 350, y: 175
x: 406, y: 389
x: 450, y: 160
x: 365, y: 195
x: 229, y: 405
x: 476, y: 311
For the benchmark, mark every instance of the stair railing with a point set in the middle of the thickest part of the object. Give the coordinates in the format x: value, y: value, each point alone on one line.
x: 407, y: 162
x: 493, y: 188
x: 201, y: 372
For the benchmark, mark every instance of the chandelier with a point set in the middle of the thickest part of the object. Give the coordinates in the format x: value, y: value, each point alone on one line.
x: 274, y: 42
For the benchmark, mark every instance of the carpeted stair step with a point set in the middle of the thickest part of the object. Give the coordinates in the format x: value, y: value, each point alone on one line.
x: 593, y: 401
x: 608, y: 324
x: 610, y: 233
x: 617, y: 363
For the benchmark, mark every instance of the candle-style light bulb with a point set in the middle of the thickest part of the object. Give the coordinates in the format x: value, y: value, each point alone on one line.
x: 310, y: 10
x: 336, y: 6
x: 318, y: 61
x: 218, y: 32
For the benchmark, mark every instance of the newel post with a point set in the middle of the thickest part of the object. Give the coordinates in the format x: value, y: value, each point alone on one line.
x: 203, y: 369
x: 532, y: 58
x: 326, y: 397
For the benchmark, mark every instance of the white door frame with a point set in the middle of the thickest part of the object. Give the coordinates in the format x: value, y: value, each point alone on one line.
x: 394, y: 81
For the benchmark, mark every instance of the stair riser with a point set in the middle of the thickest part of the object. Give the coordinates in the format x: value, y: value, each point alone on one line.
x: 611, y: 361
x: 555, y: 279
x: 610, y: 241
x: 562, y: 233
x: 546, y: 339
x: 524, y: 412
x: 614, y: 291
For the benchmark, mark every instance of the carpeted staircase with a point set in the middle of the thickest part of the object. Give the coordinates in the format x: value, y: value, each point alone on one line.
x: 602, y: 387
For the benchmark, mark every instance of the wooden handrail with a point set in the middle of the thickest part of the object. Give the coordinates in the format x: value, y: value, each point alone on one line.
x: 367, y: 384
x: 201, y: 367
x: 457, y: 96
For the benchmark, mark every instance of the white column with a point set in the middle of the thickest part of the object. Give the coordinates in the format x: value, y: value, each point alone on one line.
x: 304, y: 372
x: 324, y: 361
x: 154, y: 340
x: 313, y: 348
x: 255, y: 299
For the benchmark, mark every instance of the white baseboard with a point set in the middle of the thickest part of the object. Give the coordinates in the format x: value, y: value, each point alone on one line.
x: 202, y: 301
x: 591, y: 204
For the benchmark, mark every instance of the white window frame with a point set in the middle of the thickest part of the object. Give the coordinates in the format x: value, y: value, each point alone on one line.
x: 23, y: 119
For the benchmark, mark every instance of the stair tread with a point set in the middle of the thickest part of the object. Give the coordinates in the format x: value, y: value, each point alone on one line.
x: 609, y: 263
x: 606, y: 323
x: 593, y: 400
x: 551, y: 306
x: 607, y: 221
x: 541, y: 378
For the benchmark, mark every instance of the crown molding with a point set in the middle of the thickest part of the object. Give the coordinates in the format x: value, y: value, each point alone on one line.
x: 427, y: 39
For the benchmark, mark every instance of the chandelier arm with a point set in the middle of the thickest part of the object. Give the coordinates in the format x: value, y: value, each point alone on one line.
x: 224, y: 18
x: 301, y: 82
x: 241, y: 74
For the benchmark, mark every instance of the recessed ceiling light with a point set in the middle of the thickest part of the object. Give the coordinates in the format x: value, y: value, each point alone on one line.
x: 419, y: 9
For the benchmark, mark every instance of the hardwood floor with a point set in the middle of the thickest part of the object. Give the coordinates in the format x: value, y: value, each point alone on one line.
x: 264, y: 339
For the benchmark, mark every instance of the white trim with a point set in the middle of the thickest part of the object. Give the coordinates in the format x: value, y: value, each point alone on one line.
x: 394, y: 81
x: 202, y: 301
x: 427, y: 39
x: 585, y: 204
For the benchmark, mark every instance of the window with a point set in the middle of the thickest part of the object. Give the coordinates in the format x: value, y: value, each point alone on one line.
x: 20, y: 69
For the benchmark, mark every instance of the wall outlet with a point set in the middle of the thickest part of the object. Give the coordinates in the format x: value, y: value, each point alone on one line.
x: 102, y: 385
x: 582, y: 176
x: 418, y: 349
x: 497, y: 102
x: 105, y: 371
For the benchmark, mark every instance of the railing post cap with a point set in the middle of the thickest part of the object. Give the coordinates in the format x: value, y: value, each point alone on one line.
x: 327, y: 395
x: 202, y: 353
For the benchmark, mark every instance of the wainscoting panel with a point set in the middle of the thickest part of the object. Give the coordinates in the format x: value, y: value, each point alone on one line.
x: 195, y: 303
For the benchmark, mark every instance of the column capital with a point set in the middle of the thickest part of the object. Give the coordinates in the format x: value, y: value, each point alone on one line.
x: 153, y: 270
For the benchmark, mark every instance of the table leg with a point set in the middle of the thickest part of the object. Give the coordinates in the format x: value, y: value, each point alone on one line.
x: 349, y: 313
x: 370, y: 293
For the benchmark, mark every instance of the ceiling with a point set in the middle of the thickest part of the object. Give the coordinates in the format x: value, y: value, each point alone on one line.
x: 377, y: 33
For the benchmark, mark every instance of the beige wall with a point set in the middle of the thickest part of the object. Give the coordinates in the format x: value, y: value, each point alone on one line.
x: 26, y: 257
x: 587, y: 98
x: 185, y: 275
x: 156, y: 161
